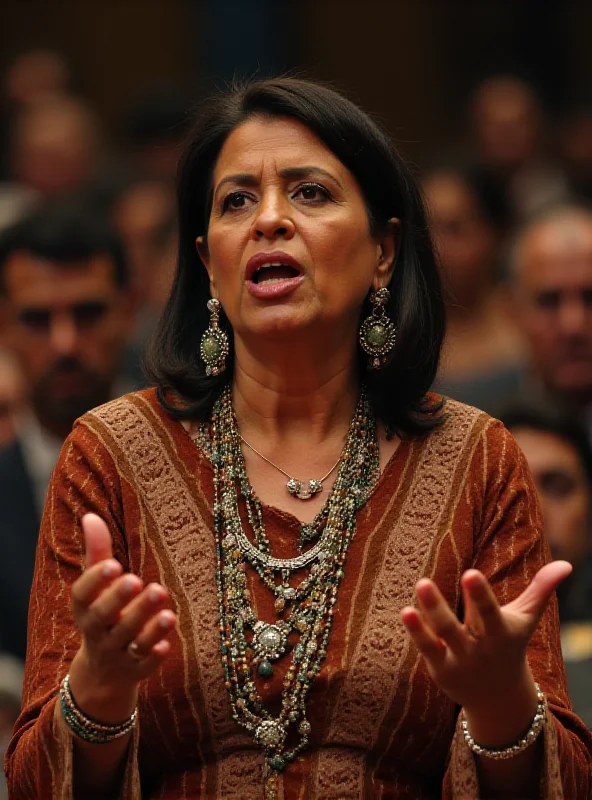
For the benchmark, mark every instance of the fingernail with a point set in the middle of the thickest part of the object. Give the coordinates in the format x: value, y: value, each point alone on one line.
x: 153, y: 595
x: 128, y: 586
x: 165, y: 622
x: 108, y: 571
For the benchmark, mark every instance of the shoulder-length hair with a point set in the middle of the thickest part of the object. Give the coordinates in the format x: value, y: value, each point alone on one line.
x: 399, y: 389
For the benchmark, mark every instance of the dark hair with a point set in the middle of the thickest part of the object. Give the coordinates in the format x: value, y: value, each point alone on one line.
x: 64, y: 231
x: 488, y: 191
x: 398, y: 390
x: 548, y: 420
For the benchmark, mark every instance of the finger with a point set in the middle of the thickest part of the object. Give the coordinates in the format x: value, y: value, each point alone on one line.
x: 483, y: 614
x: 439, y: 616
x: 105, y: 612
x: 135, y: 616
x: 535, y: 597
x: 156, y: 629
x: 159, y: 652
x: 93, y: 582
x: 97, y: 540
x: 429, y: 645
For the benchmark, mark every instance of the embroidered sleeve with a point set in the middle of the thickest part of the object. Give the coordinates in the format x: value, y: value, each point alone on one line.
x: 509, y: 550
x: 39, y: 759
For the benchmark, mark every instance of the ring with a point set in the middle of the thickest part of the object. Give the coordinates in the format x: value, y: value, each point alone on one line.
x: 134, y: 651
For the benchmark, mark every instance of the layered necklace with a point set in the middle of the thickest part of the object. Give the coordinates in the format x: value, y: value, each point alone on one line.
x: 303, y: 607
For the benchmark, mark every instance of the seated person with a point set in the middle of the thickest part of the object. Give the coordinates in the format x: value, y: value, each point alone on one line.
x: 560, y: 459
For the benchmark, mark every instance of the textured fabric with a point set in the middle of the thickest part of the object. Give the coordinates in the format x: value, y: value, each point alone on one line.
x: 458, y: 497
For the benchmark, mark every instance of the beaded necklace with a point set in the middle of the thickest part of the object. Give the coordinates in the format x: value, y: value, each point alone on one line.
x: 305, y: 609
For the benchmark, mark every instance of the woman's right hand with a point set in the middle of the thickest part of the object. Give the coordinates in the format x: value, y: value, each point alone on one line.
x: 113, y: 610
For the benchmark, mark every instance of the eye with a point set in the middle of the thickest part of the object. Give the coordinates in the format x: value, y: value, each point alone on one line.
x: 35, y: 319
x: 548, y: 299
x: 235, y: 201
x: 312, y: 193
x: 87, y: 314
x: 557, y: 483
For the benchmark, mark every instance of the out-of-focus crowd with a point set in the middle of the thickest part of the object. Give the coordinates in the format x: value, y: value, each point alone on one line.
x: 87, y: 252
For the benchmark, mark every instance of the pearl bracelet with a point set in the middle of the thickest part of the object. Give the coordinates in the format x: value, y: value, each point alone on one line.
x: 87, y: 728
x: 536, y: 727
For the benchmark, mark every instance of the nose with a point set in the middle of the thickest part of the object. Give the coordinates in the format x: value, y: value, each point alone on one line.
x: 273, y: 219
x: 63, y: 334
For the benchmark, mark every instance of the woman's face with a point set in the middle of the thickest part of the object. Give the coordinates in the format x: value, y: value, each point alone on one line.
x: 289, y: 249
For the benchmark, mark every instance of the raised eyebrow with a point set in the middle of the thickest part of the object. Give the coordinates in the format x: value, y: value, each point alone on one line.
x: 240, y: 179
x: 308, y: 172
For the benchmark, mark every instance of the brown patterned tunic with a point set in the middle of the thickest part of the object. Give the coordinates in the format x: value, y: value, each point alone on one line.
x: 456, y: 498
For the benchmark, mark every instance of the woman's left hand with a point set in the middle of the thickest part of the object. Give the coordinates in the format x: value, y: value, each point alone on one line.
x: 479, y: 662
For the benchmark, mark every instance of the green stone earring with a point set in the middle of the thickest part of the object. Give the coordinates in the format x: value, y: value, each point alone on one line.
x: 378, y: 333
x: 214, y: 342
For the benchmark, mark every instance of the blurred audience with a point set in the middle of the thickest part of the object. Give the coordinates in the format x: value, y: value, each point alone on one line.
x: 511, y: 139
x: 575, y: 140
x: 55, y: 146
x: 12, y: 396
x: 550, y: 270
x: 138, y: 214
x: 560, y: 459
x: 154, y: 132
x: 65, y: 311
x: 483, y: 356
x: 32, y: 76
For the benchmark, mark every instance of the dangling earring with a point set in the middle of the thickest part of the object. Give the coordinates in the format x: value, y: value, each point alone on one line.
x: 214, y: 342
x: 378, y: 333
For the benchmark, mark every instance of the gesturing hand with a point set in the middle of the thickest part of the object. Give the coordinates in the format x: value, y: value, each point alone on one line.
x: 476, y: 662
x: 114, y: 610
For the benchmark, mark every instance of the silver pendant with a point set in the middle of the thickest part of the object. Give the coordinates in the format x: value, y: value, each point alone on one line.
x: 304, y: 490
x: 270, y: 641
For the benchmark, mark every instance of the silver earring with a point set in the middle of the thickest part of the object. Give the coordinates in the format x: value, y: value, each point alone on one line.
x: 378, y: 333
x: 214, y: 342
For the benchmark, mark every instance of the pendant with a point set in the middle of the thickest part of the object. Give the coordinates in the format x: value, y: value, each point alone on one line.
x: 304, y: 490
x: 270, y: 641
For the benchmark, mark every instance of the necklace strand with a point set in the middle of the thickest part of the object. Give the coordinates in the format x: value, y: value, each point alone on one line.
x: 303, y: 490
x: 305, y: 609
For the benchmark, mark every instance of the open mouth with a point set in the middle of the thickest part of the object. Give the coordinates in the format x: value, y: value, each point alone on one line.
x: 274, y: 273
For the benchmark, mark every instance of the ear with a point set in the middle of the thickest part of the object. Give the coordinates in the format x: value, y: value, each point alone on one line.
x: 386, y: 251
x: 204, y: 253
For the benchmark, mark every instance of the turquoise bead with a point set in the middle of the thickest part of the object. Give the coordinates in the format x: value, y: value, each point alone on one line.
x: 265, y: 669
x: 277, y: 763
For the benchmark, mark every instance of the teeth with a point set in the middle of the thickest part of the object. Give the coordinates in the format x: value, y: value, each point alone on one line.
x: 270, y: 264
x: 272, y: 280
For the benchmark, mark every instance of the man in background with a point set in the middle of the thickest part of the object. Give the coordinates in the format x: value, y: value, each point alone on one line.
x: 551, y: 285
x: 560, y: 460
x: 65, y: 313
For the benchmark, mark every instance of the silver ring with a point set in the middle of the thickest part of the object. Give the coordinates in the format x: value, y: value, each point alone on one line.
x: 134, y: 651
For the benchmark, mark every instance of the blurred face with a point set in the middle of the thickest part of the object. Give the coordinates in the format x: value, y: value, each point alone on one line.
x: 507, y: 125
x: 466, y: 243
x: 67, y: 324
x: 12, y: 397
x: 54, y: 151
x: 138, y: 215
x: 289, y: 247
x: 554, y: 303
x: 562, y: 489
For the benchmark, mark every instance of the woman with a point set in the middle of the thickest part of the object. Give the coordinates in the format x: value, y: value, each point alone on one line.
x: 483, y: 359
x: 253, y: 530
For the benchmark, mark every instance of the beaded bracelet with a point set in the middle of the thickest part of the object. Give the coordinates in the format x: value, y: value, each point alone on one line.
x: 87, y: 728
x: 536, y: 727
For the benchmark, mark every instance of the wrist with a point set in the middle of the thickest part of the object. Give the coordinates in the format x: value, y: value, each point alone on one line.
x: 502, y: 718
x: 106, y: 701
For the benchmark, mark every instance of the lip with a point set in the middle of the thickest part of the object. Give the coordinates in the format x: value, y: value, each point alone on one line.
x: 258, y: 259
x: 279, y: 288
